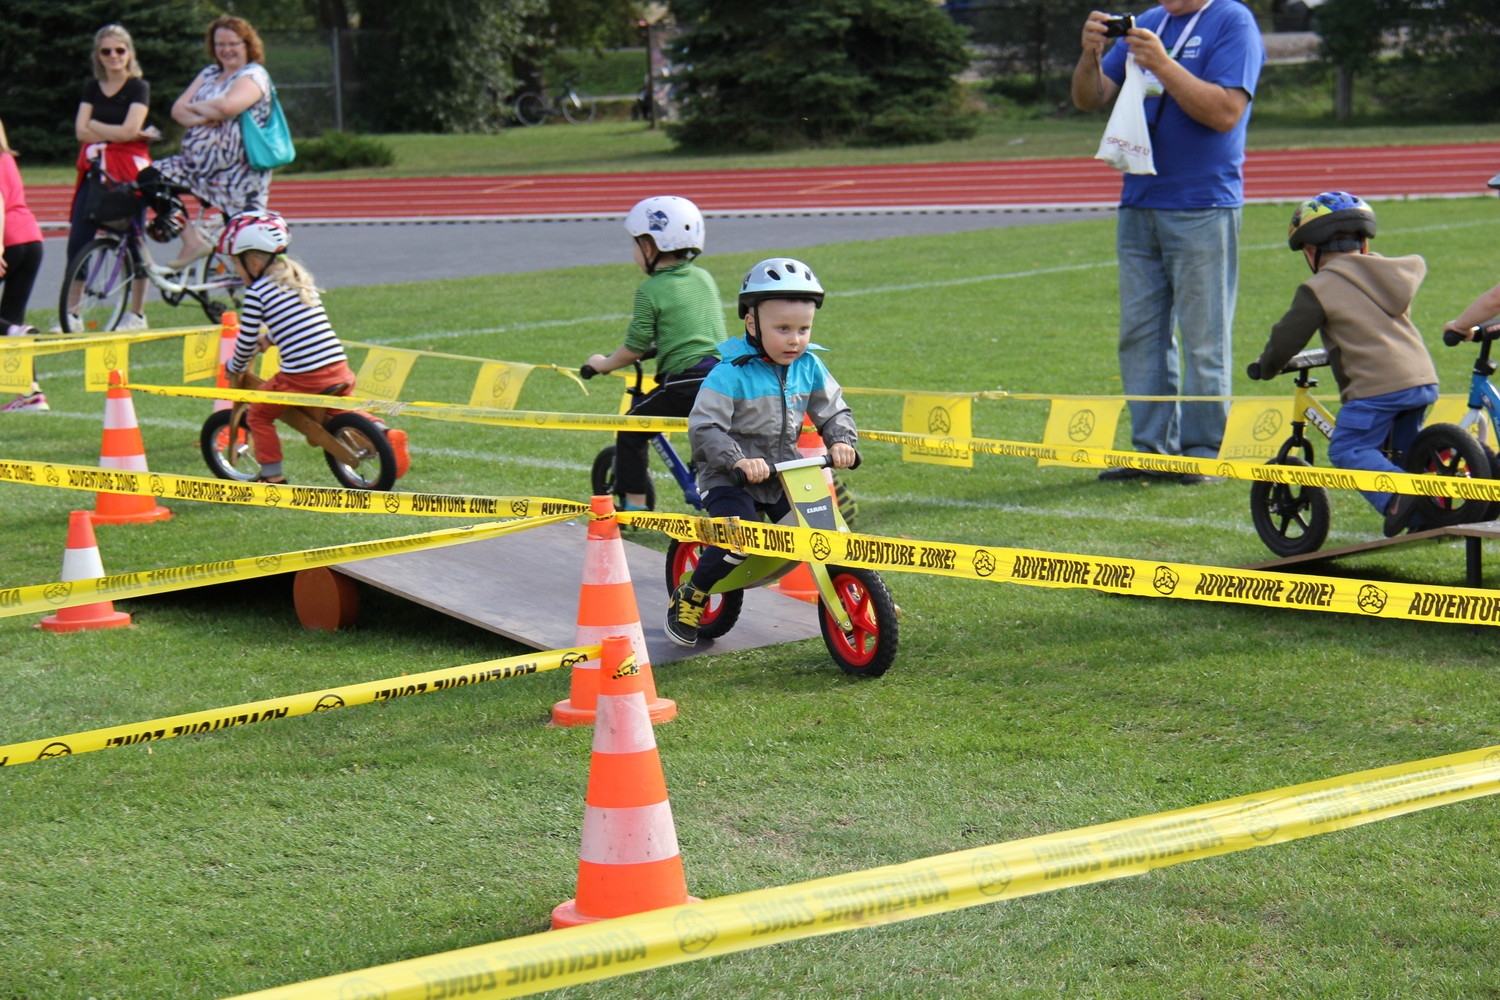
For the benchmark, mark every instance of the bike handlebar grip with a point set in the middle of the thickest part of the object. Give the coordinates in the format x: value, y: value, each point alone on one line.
x: 587, y: 371
x: 738, y: 475
x: 858, y: 458
x: 1253, y: 371
x: 1453, y: 338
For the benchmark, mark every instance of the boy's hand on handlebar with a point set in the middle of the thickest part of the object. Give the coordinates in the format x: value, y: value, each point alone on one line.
x: 1453, y: 334
x: 842, y: 455
x: 755, y: 470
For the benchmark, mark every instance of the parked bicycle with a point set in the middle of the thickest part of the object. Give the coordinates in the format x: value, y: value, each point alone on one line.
x: 97, y: 285
x: 1293, y: 519
x: 856, y: 614
x: 533, y: 107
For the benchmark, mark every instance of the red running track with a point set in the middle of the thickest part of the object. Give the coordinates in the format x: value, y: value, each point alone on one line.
x: 1279, y: 175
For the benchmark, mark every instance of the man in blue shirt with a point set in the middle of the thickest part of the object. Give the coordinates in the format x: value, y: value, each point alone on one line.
x: 1178, y: 231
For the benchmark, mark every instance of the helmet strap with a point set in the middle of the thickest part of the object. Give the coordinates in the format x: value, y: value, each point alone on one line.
x: 649, y: 253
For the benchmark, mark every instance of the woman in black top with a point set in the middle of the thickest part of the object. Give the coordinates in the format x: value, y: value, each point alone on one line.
x: 111, y: 125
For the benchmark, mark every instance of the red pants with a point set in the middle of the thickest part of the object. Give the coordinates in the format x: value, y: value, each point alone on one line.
x: 262, y: 416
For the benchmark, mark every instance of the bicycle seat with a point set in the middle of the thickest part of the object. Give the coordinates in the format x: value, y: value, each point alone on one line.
x: 1315, y: 358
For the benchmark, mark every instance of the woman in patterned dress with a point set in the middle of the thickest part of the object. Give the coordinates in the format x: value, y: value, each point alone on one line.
x: 212, y: 161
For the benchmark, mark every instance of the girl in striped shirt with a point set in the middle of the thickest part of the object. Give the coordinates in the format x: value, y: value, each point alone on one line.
x: 282, y: 308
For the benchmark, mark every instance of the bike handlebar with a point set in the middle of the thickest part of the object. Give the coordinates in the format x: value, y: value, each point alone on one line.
x: 589, y: 371
x: 1480, y: 333
x: 737, y: 475
x: 1315, y: 358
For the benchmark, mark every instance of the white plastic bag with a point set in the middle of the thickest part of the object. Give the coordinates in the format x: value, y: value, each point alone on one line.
x: 1126, y: 145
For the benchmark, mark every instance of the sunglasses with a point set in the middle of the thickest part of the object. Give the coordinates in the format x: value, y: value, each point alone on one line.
x: 114, y: 52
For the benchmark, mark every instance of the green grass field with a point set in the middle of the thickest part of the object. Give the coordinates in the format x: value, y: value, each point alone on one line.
x: 209, y: 866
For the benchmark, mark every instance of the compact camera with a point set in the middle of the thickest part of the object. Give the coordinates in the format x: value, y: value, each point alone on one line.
x: 1115, y: 27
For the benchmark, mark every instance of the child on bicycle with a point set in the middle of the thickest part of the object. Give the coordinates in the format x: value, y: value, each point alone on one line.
x: 678, y: 314
x: 1361, y: 304
x: 749, y: 415
x: 281, y: 299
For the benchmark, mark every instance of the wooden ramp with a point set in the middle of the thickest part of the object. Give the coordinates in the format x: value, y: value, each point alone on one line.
x: 525, y: 587
x: 1472, y: 534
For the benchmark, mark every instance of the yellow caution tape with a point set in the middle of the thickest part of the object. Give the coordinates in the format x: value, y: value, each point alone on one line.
x: 571, y: 373
x: 67, y: 594
x: 335, y: 500
x: 1137, y: 577
x: 540, y: 419
x: 1340, y: 479
x: 214, y: 719
x: 63, y: 343
x: 548, y: 961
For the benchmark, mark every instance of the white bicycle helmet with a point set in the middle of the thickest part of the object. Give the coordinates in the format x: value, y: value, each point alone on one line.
x: 779, y: 278
x: 673, y: 223
x: 255, y: 231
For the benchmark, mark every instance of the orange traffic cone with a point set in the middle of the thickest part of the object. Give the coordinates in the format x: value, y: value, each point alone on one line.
x: 799, y: 582
x: 229, y: 331
x: 123, y: 449
x: 629, y: 861
x: 81, y: 562
x: 606, y: 606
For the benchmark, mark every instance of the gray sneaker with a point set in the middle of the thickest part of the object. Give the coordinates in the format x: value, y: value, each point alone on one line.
x: 684, y: 613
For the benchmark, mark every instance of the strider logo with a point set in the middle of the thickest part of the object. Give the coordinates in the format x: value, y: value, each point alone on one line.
x: 573, y: 659
x: 57, y: 593
x: 51, y: 475
x: 55, y: 750
x: 1371, y: 599
x: 268, y: 563
x: 939, y: 421
x: 158, y: 487
x: 1267, y: 425
x: 991, y: 873
x: 1226, y: 470
x: 327, y: 702
x: 984, y: 563
x: 361, y: 989
x: 392, y: 503
x: 1081, y: 457
x: 694, y: 931
x: 1165, y: 580
x: 1385, y: 484
x: 1081, y: 426
x: 1258, y: 819
x: 273, y: 496
x: 385, y: 370
x: 519, y: 508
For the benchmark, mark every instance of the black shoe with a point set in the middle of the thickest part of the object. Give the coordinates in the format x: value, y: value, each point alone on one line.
x: 684, y: 613
x: 1120, y: 475
x: 1198, y: 479
x: 1399, y: 513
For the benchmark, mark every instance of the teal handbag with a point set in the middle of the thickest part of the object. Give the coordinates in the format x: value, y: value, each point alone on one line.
x: 267, y: 146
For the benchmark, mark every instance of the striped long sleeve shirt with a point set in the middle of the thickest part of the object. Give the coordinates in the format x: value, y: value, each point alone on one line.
x: 302, y: 334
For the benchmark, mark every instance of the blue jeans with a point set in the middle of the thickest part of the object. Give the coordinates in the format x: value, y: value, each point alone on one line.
x: 1363, y: 425
x: 1177, y: 269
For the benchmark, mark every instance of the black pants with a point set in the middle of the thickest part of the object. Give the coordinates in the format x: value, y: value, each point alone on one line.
x: 672, y: 397
x: 22, y: 262
x: 714, y: 564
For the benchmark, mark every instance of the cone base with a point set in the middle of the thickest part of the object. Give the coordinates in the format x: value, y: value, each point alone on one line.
x: 104, y: 619
x: 564, y: 713
x: 155, y: 514
x: 567, y: 915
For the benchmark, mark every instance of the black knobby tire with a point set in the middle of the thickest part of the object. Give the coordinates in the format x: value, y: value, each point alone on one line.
x: 104, y: 274
x: 582, y: 112
x: 848, y: 506
x: 531, y: 108
x: 1448, y: 450
x: 602, y: 480
x: 870, y: 649
x: 225, y: 291
x: 1291, y: 520
x: 228, y: 457
x: 376, y: 466
x: 723, y: 609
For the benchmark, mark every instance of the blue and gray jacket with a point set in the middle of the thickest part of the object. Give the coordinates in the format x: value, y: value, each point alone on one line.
x: 751, y: 408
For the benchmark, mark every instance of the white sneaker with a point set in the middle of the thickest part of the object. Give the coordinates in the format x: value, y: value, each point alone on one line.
x: 131, y: 321
x: 75, y: 325
x: 20, y: 330
x: 35, y: 402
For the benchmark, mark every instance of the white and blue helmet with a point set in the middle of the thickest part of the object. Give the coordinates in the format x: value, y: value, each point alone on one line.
x: 779, y: 278
x: 673, y: 223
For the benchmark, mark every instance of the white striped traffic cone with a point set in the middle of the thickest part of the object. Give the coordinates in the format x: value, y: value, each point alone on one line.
x: 81, y: 562
x: 629, y: 861
x: 123, y: 449
x: 606, y: 606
